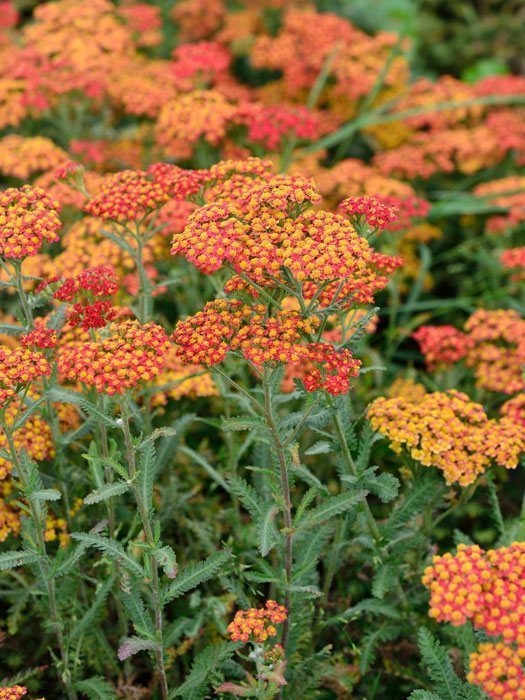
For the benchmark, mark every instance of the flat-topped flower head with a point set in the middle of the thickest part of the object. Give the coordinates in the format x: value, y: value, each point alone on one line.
x: 178, y: 183
x: 450, y: 432
x: 40, y: 339
x: 257, y: 624
x: 19, y: 367
x: 12, y: 692
x: 201, y: 114
x: 485, y: 587
x: 378, y: 212
x: 126, y: 196
x: 28, y: 219
x: 89, y: 294
x: 130, y: 355
x: 22, y: 156
x: 498, y: 670
x: 442, y: 346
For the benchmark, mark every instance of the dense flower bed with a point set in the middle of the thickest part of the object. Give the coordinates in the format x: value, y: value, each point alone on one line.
x: 262, y: 349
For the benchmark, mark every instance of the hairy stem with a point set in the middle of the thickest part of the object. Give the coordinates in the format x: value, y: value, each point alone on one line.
x: 150, y: 539
x: 287, y: 503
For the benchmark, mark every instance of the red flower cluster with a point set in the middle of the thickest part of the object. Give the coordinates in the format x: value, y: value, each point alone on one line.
x: 378, y: 212
x: 257, y: 624
x: 40, y: 338
x: 178, y: 183
x: 131, y: 354
x: 442, y: 346
x: 89, y: 292
x: 28, y: 219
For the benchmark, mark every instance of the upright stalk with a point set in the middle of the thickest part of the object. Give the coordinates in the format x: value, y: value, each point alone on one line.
x: 287, y: 503
x: 150, y: 539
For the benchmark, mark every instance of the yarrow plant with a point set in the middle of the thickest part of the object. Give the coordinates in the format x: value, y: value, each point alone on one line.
x: 262, y: 350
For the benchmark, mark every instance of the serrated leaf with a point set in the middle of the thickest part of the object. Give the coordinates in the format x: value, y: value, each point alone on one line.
x: 96, y: 688
x: 439, y: 665
x: 331, y: 507
x: 247, y: 495
x: 10, y: 560
x: 106, y: 492
x: 319, y: 448
x: 266, y: 530
x: 132, y: 646
x: 46, y: 495
x: 424, y: 695
x: 384, y: 579
x: 202, y: 668
x: 113, y: 549
x: 165, y: 558
x: 247, y: 422
x: 385, y: 486
x: 193, y: 575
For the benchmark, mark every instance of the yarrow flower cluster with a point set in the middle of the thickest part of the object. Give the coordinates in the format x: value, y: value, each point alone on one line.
x: 376, y: 211
x: 89, y: 294
x: 498, y: 670
x: 28, y: 219
x: 130, y: 354
x: 257, y: 624
x: 486, y: 587
x: 40, y: 338
x: 13, y: 692
x: 228, y: 325
x: 450, y: 432
x: 19, y: 367
x: 442, y: 346
x: 126, y: 196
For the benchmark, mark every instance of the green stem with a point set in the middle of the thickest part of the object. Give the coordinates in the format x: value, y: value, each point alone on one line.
x: 287, y: 503
x: 151, y: 541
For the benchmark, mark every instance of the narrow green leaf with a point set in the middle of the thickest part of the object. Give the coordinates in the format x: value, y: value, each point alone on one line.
x: 10, y: 560
x: 332, y: 507
x: 106, y: 492
x: 193, y: 575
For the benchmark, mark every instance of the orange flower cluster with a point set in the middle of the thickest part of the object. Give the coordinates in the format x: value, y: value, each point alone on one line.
x: 449, y: 432
x: 128, y: 356
x: 306, y: 41
x: 262, y: 226
x: 487, y: 588
x: 9, y: 513
x: 126, y: 196
x: 514, y: 259
x: 34, y: 436
x: 442, y: 346
x: 28, y: 219
x: 12, y: 692
x: 202, y: 61
x: 498, y: 670
x: 201, y: 114
x: 178, y: 380
x: 257, y: 624
x: 198, y: 19
x: 498, y: 352
x: 18, y: 368
x: 227, y: 325
x: 22, y: 156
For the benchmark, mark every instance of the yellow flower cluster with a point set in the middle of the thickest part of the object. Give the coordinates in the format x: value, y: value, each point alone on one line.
x: 449, y: 432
